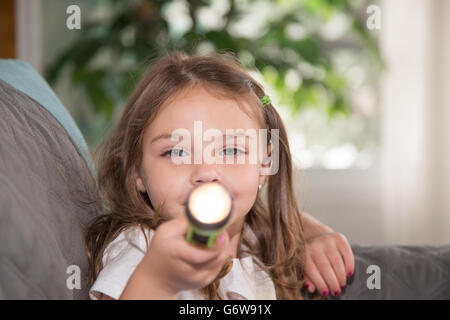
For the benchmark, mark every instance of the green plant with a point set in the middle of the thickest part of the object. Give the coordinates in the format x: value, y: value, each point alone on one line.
x: 111, y: 53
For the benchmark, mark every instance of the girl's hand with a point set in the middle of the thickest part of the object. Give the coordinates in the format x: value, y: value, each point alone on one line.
x: 329, y: 260
x: 175, y: 264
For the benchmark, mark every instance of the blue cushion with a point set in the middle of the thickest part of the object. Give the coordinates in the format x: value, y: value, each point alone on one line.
x: 23, y: 77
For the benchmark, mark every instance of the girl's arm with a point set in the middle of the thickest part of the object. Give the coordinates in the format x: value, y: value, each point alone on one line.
x: 313, y: 227
x: 142, y: 285
x: 171, y: 264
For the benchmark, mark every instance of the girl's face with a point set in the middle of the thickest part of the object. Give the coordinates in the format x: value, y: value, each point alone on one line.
x: 167, y: 181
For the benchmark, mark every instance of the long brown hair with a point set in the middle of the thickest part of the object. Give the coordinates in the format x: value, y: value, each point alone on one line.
x: 275, y: 218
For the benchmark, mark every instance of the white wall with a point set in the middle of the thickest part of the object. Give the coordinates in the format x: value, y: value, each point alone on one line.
x: 346, y: 200
x: 29, y: 32
x: 415, y: 120
x: 444, y: 98
x: 404, y: 199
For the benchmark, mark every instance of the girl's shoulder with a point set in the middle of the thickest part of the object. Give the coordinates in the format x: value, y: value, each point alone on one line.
x: 133, y: 237
x: 120, y: 258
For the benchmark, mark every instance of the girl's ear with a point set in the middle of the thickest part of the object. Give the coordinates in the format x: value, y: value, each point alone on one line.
x: 261, y: 180
x: 139, y: 182
x: 266, y: 163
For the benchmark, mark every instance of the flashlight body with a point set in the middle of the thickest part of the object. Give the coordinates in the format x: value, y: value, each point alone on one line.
x: 201, y: 237
x: 205, y: 233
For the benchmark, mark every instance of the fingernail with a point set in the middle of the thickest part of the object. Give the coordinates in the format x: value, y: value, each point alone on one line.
x: 337, y: 293
x: 349, y: 274
x: 306, y: 286
x: 325, y: 293
x: 342, y: 287
x: 222, y: 238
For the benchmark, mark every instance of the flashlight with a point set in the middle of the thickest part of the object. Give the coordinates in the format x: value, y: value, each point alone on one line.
x: 208, y: 209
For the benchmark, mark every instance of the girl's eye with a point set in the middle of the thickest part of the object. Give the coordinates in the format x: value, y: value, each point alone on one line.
x: 233, y: 151
x: 174, y: 153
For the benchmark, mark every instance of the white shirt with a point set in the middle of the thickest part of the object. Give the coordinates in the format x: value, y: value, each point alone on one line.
x: 245, y: 280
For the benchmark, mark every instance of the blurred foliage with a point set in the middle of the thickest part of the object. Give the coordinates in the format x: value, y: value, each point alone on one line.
x: 114, y: 48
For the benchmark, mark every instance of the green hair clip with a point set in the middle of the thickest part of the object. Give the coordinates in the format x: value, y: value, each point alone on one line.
x: 265, y: 100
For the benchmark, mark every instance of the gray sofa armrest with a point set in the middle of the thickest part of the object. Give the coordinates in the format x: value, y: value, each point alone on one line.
x: 47, y: 197
x: 399, y: 272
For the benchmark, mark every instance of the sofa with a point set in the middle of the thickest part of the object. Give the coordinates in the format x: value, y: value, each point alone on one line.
x: 48, y: 196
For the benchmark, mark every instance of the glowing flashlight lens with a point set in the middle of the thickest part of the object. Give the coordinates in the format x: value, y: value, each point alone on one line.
x: 210, y: 203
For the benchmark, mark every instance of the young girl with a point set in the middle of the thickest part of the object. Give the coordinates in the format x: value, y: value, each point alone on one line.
x: 269, y: 249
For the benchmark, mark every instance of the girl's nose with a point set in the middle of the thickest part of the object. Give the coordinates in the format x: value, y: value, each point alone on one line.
x: 204, y: 173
